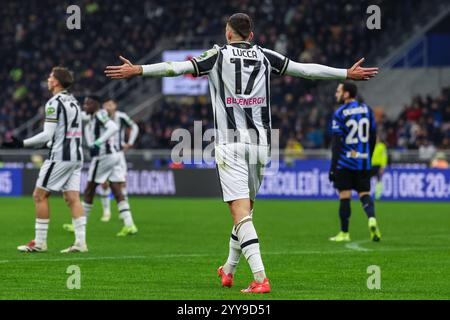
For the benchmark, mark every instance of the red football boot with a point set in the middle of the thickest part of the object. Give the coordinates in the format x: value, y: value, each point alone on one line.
x: 227, y: 279
x: 258, y: 287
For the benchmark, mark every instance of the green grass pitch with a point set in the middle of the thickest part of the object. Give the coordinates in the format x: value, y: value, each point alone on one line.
x: 181, y: 242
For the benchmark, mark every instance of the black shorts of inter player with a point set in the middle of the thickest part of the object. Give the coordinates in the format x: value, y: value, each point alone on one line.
x: 376, y: 172
x: 358, y: 180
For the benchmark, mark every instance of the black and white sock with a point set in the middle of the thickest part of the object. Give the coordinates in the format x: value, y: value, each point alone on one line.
x: 106, y: 201
x: 248, y: 239
x: 79, y: 226
x: 234, y: 254
x: 87, y: 209
x: 125, y: 213
x: 41, y: 229
x: 125, y: 193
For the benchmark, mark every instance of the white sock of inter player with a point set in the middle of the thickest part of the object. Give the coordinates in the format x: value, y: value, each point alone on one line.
x: 87, y: 209
x: 79, y: 226
x: 249, y: 242
x: 106, y: 202
x: 41, y: 229
x: 234, y: 254
x: 125, y: 212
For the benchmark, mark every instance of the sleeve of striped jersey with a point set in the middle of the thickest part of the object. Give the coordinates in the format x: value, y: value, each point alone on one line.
x: 278, y: 62
x: 51, y: 111
x: 204, y: 63
x: 42, y: 138
x: 111, y: 129
x: 126, y: 119
x: 336, y: 128
x: 102, y: 116
x: 134, y: 128
x: 168, y: 69
x: 85, y: 116
x: 315, y: 71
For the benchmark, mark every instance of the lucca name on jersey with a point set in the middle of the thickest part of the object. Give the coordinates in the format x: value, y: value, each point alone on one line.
x: 354, y: 132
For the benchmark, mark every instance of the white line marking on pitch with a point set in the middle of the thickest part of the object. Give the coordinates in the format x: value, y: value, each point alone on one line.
x: 75, y: 258
x: 356, y: 245
x: 163, y: 256
x: 352, y: 246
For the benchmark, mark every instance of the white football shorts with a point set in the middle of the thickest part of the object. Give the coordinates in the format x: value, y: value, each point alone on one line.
x: 240, y: 168
x: 60, y: 176
x: 106, y: 168
x: 123, y: 163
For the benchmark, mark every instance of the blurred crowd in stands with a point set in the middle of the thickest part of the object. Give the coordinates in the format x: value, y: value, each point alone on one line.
x: 424, y: 125
x: 34, y: 37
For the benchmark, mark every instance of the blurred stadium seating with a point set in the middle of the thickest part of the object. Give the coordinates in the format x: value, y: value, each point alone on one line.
x: 307, y: 31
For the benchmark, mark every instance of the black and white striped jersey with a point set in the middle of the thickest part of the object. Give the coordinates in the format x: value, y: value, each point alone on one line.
x: 64, y: 110
x: 95, y: 128
x: 124, y: 122
x: 239, y: 80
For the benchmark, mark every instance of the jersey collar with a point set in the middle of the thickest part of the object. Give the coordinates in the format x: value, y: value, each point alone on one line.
x: 241, y: 44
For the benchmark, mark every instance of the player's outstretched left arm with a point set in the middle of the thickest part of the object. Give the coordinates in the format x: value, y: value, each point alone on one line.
x: 163, y: 69
x: 321, y: 72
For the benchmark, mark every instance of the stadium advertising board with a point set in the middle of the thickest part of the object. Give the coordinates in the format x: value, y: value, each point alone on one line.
x: 309, y: 180
x: 10, y: 182
x: 149, y: 182
x: 187, y: 84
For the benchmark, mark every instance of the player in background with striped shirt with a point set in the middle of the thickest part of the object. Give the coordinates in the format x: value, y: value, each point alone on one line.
x: 106, y: 164
x: 124, y: 140
x: 61, y: 172
x: 239, y: 80
x: 354, y: 137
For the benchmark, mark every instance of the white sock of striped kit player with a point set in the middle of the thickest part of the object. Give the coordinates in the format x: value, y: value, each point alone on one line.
x: 87, y: 209
x: 248, y: 239
x: 125, y: 193
x: 41, y: 229
x: 125, y: 197
x: 125, y: 213
x: 79, y: 226
x: 106, y: 202
x: 234, y: 254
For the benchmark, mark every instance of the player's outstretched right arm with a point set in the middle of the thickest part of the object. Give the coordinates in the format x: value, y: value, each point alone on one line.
x: 163, y: 69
